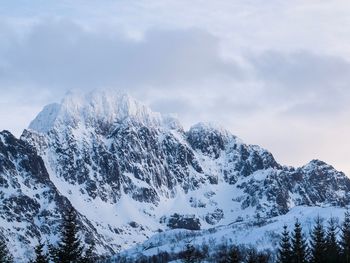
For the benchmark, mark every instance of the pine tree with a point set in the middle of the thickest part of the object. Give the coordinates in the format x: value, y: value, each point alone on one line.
x: 5, y: 256
x: 189, y: 254
x: 263, y: 257
x: 69, y: 249
x: 40, y: 256
x: 234, y: 255
x: 299, y: 246
x: 345, y: 238
x: 252, y: 256
x: 53, y: 252
x: 332, y: 247
x: 284, y: 250
x: 318, y: 242
x: 89, y: 256
x: 222, y: 252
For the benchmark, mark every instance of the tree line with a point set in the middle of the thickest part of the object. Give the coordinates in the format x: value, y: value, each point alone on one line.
x: 326, y: 244
x: 221, y: 253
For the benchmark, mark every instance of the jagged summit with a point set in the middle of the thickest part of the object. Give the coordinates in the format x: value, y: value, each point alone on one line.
x: 100, y: 108
x: 5, y: 133
x: 209, y: 127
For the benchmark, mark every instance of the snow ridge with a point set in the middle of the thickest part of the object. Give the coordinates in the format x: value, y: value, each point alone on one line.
x: 96, y: 108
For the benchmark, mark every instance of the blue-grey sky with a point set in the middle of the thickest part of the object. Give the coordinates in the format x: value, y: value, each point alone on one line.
x: 275, y: 73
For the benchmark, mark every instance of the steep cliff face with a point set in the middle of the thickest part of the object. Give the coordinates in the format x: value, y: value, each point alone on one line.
x: 130, y: 172
x: 31, y: 206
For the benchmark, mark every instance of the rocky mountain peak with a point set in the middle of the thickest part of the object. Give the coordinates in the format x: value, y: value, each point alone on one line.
x: 5, y: 135
x: 208, y: 138
x: 99, y: 109
x: 316, y: 163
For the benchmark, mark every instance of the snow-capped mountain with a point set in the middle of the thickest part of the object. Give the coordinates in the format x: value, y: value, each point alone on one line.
x: 130, y: 173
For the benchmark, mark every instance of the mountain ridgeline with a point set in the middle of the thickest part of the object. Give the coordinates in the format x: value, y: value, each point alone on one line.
x: 129, y: 173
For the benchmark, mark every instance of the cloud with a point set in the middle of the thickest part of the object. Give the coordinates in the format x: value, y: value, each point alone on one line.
x: 55, y: 55
x: 180, y: 70
x: 266, y: 71
x: 50, y: 57
x: 306, y: 83
x: 63, y: 55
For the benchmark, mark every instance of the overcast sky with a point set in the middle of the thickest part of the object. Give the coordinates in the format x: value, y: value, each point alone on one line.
x: 275, y: 73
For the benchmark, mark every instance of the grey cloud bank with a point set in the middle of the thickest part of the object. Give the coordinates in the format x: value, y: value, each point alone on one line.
x: 290, y: 98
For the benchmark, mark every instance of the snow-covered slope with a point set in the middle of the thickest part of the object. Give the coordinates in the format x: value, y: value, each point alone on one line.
x: 248, y: 233
x: 130, y: 173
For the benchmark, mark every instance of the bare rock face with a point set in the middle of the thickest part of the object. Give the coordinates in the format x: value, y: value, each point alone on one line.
x: 130, y: 172
x: 31, y: 206
x: 189, y: 222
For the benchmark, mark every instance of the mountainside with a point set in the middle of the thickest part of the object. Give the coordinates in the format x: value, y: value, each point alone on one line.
x: 130, y: 173
x: 31, y: 206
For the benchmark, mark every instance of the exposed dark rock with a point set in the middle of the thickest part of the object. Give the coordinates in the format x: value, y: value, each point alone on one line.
x: 215, y: 217
x: 189, y: 222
